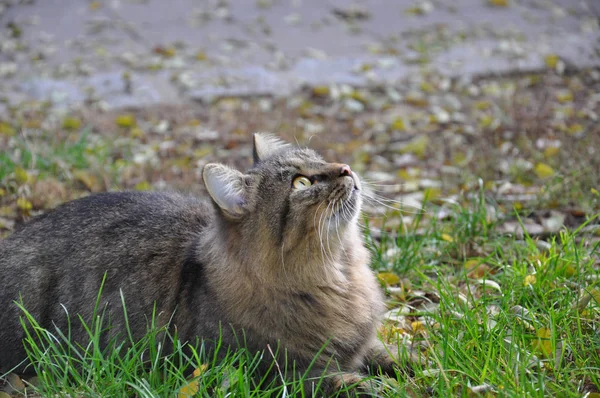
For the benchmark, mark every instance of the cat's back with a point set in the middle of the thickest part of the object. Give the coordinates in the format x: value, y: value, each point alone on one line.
x: 107, y: 225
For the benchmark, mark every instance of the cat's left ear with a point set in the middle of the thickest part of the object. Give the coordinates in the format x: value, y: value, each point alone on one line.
x: 266, y: 145
x: 230, y: 189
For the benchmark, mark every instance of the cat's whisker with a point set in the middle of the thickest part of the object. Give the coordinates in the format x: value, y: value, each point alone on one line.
x: 329, y: 217
x: 337, y: 227
x: 386, y: 199
x: 325, y: 233
x: 391, y: 207
x: 319, y: 231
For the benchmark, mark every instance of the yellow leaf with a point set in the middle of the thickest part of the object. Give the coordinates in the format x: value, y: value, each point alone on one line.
x: 486, y: 121
x: 142, y: 186
x: 201, y: 56
x: 575, y: 128
x: 447, y: 238
x: 398, y: 124
x: 594, y: 191
x: 416, y: 100
x: 432, y: 193
x: 498, y: 3
x: 529, y: 280
x: 595, y: 293
x: 136, y: 132
x: 88, y: 180
x: 551, y: 60
x: 94, y: 5
x: 71, y: 123
x: 6, y: 129
x: 125, y: 120
x: 427, y: 87
x: 551, y: 151
x: 482, y: 105
x: 476, y: 269
x: 21, y: 176
x: 24, y: 204
x: 543, y: 344
x: 542, y: 170
x: 2, y: 192
x: 357, y: 95
x: 417, y: 326
x: 564, y: 97
x: 191, y: 388
x: 389, y: 278
x: 321, y: 91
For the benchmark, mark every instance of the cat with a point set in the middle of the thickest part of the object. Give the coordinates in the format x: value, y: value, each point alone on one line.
x: 276, y: 254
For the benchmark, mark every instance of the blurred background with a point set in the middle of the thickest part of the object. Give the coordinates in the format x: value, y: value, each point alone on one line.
x: 434, y: 99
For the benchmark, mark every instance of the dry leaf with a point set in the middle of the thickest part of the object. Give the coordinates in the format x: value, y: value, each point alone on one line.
x: 191, y: 388
x: 71, y: 123
x: 498, y: 3
x: 543, y: 344
x: 542, y: 170
x: 389, y: 278
x: 449, y: 238
x: 125, y: 120
x: 24, y: 204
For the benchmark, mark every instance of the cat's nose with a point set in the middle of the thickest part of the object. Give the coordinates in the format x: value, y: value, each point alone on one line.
x: 345, y: 171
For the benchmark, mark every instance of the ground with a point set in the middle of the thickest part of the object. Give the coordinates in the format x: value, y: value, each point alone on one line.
x: 473, y: 123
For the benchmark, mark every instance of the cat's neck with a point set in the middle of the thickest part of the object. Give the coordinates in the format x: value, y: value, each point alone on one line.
x: 302, y: 265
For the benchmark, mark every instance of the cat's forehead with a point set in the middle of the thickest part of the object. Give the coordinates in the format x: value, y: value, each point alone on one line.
x: 297, y: 158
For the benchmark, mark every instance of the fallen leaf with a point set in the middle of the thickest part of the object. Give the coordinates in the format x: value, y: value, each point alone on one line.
x: 551, y: 151
x: 389, y: 278
x: 89, y: 181
x: 71, y: 123
x: 498, y: 3
x: 398, y: 124
x: 476, y: 269
x: 448, y: 238
x: 551, y: 60
x: 417, y: 326
x: 543, y: 170
x: 21, y: 176
x: 191, y: 388
x: 166, y: 52
x: 143, y: 186
x: 125, y: 121
x: 529, y: 280
x: 6, y: 129
x: 24, y: 204
x: 543, y: 344
x: 201, y: 56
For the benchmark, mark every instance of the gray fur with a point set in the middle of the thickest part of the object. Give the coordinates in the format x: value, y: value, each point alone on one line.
x: 279, y: 264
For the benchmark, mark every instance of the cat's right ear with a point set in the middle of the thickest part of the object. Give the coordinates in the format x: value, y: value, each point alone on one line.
x: 228, y: 188
x: 265, y: 145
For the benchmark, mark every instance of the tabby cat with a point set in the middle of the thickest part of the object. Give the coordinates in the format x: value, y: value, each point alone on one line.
x: 276, y: 256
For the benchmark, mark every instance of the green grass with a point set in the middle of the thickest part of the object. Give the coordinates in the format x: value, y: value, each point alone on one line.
x: 69, y: 153
x: 495, y: 311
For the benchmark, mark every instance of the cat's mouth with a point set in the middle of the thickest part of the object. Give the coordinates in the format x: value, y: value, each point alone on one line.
x: 344, y: 197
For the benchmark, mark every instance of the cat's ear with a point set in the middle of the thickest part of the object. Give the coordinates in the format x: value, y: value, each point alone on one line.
x: 265, y: 145
x: 228, y: 188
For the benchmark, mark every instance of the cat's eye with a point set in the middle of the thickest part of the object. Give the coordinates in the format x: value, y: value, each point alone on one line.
x: 301, y: 182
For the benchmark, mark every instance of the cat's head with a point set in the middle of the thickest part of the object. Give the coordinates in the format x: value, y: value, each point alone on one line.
x: 290, y: 193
